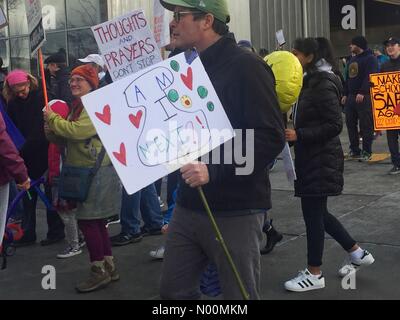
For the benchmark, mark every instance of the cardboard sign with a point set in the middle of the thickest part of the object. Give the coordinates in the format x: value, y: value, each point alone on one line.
x: 3, y: 19
x: 161, y: 25
x: 37, y: 36
x: 385, y: 97
x: 127, y: 44
x: 280, y: 37
x: 156, y: 121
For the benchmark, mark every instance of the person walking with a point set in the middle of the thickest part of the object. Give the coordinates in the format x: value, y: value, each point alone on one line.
x: 12, y: 167
x: 357, y: 101
x: 239, y: 201
x: 319, y: 163
x: 84, y: 149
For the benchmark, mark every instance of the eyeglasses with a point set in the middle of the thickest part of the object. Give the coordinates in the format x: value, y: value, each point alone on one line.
x: 76, y: 80
x: 179, y: 14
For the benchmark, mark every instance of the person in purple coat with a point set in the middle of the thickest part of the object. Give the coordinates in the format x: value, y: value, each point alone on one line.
x: 12, y: 167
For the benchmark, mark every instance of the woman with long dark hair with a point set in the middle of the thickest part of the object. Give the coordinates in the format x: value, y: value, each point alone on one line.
x: 319, y: 163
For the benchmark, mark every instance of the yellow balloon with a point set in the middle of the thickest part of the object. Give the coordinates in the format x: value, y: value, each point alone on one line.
x: 288, y: 75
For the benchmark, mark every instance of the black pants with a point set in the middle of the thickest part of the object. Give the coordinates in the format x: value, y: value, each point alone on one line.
x: 359, y: 112
x: 54, y: 222
x: 318, y: 220
x: 393, y: 142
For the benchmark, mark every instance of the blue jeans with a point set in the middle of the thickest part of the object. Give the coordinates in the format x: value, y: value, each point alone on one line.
x: 146, y: 202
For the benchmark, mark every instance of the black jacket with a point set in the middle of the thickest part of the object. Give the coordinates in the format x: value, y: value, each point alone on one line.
x: 391, y: 65
x: 27, y: 116
x: 58, y: 86
x: 318, y: 123
x: 359, y: 69
x: 246, y: 88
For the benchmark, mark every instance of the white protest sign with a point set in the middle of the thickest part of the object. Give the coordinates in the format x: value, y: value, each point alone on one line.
x: 154, y: 122
x: 37, y: 36
x: 161, y: 25
x: 3, y: 19
x: 127, y: 44
x: 288, y: 164
x: 280, y: 37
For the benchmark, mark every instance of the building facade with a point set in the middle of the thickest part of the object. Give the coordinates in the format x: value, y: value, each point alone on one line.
x: 67, y: 24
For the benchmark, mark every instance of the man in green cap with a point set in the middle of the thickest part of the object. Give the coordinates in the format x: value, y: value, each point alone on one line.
x: 238, y: 192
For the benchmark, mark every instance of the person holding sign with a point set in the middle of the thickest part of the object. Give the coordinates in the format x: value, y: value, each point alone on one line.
x: 357, y: 100
x: 83, y: 150
x: 319, y: 162
x: 393, y: 49
x: 238, y: 198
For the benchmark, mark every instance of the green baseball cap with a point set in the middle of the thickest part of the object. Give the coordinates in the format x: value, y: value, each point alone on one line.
x: 218, y: 8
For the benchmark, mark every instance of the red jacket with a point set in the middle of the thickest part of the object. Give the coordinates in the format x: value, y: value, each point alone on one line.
x: 12, y: 166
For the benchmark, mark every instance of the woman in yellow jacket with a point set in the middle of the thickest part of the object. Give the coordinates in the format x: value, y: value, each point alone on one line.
x: 83, y: 147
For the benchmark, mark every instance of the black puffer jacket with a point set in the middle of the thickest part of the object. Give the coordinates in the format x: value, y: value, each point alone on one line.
x: 318, y: 123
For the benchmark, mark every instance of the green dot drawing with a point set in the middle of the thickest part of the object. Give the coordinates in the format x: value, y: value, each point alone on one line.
x: 203, y: 92
x: 173, y: 96
x: 211, y: 106
x: 175, y: 66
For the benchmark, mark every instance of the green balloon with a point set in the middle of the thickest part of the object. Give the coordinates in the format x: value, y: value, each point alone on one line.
x: 175, y: 65
x: 173, y: 96
x: 203, y: 92
x: 211, y: 106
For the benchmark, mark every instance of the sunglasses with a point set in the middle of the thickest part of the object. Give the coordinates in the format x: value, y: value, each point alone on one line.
x: 179, y: 14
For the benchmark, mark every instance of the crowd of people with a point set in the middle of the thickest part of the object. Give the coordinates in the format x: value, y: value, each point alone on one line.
x: 62, y: 135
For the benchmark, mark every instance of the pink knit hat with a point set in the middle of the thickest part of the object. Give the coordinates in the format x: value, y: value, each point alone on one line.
x: 17, y: 77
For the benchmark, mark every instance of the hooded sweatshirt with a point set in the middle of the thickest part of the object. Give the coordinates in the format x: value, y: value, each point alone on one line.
x: 360, y: 67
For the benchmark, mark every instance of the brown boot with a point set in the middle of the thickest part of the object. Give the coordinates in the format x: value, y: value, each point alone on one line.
x: 98, y: 278
x: 110, y: 268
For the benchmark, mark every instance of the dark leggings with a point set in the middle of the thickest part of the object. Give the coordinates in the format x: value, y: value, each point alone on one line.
x: 318, y: 220
x: 97, y: 239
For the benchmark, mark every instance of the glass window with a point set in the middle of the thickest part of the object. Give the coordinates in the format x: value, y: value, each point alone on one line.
x: 80, y: 44
x: 53, y: 14
x: 3, y: 31
x: 381, y: 22
x: 4, y: 53
x: 55, y: 42
x: 17, y: 17
x: 20, y: 53
x: 85, y: 13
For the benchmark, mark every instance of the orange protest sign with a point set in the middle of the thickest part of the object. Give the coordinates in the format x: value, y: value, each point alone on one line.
x: 385, y: 97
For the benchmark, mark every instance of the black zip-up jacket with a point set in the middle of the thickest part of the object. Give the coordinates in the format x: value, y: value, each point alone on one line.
x: 391, y: 65
x: 360, y: 67
x: 246, y: 88
x: 318, y: 123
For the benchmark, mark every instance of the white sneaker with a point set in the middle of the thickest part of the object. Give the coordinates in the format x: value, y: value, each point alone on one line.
x: 353, y: 265
x: 158, y: 253
x: 305, y: 281
x: 69, y: 252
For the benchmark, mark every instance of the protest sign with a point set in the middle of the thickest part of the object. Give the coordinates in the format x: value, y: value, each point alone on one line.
x: 280, y: 37
x: 127, y: 44
x: 3, y: 19
x: 161, y: 25
x: 37, y: 36
x: 154, y: 122
x: 385, y: 97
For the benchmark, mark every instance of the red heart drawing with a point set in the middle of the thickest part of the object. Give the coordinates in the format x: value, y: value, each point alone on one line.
x: 105, y: 116
x: 136, y: 119
x: 188, y: 79
x: 121, y: 155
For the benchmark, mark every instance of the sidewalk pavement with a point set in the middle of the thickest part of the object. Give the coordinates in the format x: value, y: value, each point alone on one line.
x: 369, y: 209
